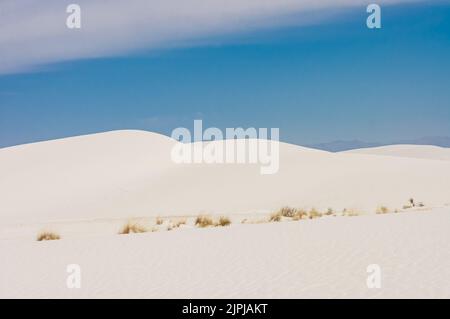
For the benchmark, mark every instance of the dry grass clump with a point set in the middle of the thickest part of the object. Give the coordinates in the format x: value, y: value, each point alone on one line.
x: 159, y: 221
x: 314, y: 213
x: 287, y: 212
x: 203, y: 221
x: 132, y: 228
x: 223, y: 221
x: 300, y: 214
x: 329, y: 212
x: 275, y: 217
x: 382, y: 210
x: 47, y: 236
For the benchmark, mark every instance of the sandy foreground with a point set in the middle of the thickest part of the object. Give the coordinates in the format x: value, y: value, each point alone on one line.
x: 325, y: 258
x: 87, y: 188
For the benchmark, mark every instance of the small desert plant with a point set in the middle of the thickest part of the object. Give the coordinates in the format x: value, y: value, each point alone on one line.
x: 313, y: 213
x: 275, y: 217
x: 382, y: 210
x: 132, y: 228
x: 159, y: 221
x: 411, y: 201
x: 329, y: 212
x: 300, y: 214
x: 420, y: 204
x: 287, y: 212
x: 407, y: 206
x: 223, y: 221
x: 47, y: 236
x: 204, y: 221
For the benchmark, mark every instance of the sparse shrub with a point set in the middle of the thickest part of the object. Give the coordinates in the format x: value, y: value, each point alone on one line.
x: 223, y: 221
x: 300, y: 214
x: 313, y: 213
x: 47, y: 236
x: 204, y: 221
x: 287, y: 212
x: 275, y: 217
x: 421, y: 204
x: 159, y: 221
x: 329, y: 212
x: 382, y: 210
x: 132, y: 228
x: 411, y: 201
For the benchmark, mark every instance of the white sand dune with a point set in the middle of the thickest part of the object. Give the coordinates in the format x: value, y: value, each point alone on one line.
x: 86, y: 187
x: 411, y: 151
x: 130, y: 173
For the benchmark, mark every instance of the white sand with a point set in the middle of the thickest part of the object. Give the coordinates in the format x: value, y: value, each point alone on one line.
x: 130, y: 173
x: 411, y: 151
x: 85, y: 188
x: 326, y: 257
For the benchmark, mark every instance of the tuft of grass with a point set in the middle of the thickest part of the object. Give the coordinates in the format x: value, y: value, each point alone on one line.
x: 275, y: 217
x: 47, y: 236
x: 287, y: 212
x: 382, y: 210
x: 159, y: 221
x: 132, y: 228
x: 300, y: 214
x: 203, y: 221
x: 223, y: 221
x: 329, y: 212
x: 313, y: 213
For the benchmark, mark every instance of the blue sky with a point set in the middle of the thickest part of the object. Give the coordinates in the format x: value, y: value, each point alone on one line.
x: 332, y: 80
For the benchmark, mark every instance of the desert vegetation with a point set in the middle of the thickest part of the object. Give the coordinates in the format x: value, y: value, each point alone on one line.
x: 382, y: 210
x: 223, y: 221
x: 314, y: 213
x: 133, y: 228
x: 47, y: 235
x: 203, y: 221
x: 275, y: 217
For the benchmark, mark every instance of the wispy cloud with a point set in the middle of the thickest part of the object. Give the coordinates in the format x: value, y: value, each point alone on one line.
x: 34, y: 33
